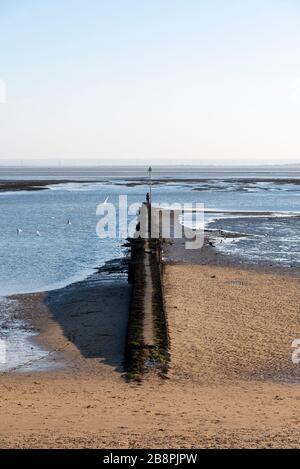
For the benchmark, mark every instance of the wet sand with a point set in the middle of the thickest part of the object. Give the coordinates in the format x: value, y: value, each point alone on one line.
x: 231, y: 381
x: 39, y: 185
x: 131, y: 181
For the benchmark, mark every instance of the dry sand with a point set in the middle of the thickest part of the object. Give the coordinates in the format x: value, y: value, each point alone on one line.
x: 232, y: 382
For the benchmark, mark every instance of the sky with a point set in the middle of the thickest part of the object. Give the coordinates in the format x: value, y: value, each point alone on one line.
x: 160, y: 81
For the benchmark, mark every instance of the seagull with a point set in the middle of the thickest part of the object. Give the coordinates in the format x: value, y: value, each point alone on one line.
x: 69, y: 222
x: 19, y: 231
x: 38, y: 233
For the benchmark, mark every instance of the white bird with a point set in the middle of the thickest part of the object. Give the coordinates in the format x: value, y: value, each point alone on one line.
x: 38, y: 233
x: 19, y: 231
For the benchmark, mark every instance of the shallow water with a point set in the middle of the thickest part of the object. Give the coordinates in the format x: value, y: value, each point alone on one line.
x: 65, y: 253
x: 269, y: 240
x: 17, y: 348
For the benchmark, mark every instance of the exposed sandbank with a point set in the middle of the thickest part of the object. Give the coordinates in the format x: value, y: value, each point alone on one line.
x: 232, y: 383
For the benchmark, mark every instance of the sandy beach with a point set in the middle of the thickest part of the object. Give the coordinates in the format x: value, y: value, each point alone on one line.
x: 231, y: 381
x: 150, y: 228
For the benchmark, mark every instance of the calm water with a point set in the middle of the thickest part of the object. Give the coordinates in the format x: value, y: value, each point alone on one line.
x: 65, y: 253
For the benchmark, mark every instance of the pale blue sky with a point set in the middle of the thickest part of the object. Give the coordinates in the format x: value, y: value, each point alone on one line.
x: 191, y: 81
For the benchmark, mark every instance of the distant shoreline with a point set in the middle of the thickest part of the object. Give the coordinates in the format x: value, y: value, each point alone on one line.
x: 32, y: 185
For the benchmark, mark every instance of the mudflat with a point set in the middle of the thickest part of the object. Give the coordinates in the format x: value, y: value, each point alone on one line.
x: 231, y: 381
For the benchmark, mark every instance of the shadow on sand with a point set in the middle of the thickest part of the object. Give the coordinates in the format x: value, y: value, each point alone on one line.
x: 93, y: 314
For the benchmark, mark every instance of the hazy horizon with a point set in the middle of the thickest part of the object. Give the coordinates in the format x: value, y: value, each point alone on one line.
x: 94, y: 164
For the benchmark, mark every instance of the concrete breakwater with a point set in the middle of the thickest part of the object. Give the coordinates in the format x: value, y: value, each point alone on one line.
x: 147, y: 346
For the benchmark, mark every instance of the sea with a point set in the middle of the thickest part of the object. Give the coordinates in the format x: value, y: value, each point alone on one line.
x: 49, y: 239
